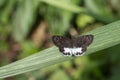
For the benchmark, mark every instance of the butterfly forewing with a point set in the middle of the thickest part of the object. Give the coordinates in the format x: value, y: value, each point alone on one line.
x: 61, y: 41
x: 85, y: 40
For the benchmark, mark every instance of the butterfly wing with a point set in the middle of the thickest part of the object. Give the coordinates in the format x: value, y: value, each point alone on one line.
x: 82, y: 42
x: 85, y: 40
x: 62, y: 42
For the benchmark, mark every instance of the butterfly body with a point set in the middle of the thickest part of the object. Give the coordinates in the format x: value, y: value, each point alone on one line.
x: 72, y: 46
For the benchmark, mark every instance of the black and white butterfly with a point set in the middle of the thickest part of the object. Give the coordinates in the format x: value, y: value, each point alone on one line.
x: 73, y: 46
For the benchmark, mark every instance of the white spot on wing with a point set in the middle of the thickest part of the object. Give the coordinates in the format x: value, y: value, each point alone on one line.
x: 73, y: 50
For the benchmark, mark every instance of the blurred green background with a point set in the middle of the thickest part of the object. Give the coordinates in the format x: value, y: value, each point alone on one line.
x: 26, y: 27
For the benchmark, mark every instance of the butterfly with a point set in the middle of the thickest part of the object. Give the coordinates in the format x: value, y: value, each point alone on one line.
x: 73, y: 46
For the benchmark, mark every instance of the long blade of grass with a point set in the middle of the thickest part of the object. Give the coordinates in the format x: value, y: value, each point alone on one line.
x: 104, y: 37
x: 65, y: 6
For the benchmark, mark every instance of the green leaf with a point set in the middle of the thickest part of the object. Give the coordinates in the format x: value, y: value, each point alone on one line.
x: 6, y: 11
x: 59, y: 16
x: 83, y: 20
x: 104, y: 37
x: 23, y: 18
x: 64, y: 5
x: 57, y: 75
x: 100, y: 10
